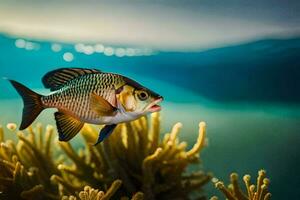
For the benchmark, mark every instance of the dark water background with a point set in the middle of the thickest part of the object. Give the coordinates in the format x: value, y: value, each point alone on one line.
x: 249, y: 95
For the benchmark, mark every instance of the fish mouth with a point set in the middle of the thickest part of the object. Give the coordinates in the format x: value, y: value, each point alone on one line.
x: 154, y: 107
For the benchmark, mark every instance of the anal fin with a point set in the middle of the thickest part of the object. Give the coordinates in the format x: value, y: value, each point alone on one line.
x: 67, y: 126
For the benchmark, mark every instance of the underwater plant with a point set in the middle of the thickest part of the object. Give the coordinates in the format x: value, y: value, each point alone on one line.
x: 254, y: 192
x: 133, y: 162
x: 26, y: 167
x: 89, y: 193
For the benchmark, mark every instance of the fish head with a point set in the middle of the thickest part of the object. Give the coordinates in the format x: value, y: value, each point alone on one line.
x: 139, y: 100
x: 147, y: 101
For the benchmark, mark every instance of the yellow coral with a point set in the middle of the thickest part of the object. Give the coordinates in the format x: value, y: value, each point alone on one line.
x: 234, y: 192
x: 27, y: 166
x: 11, y: 126
x: 93, y: 194
x: 147, y: 166
x: 135, y: 154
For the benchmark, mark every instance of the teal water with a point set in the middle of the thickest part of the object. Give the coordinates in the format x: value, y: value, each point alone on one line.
x: 248, y: 94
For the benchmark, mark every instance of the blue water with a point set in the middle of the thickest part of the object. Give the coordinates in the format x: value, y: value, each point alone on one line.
x: 248, y: 94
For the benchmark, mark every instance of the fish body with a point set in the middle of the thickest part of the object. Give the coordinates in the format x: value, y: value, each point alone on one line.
x: 75, y: 96
x: 88, y: 96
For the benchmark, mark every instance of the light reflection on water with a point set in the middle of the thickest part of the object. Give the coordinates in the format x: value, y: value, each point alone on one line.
x: 86, y: 49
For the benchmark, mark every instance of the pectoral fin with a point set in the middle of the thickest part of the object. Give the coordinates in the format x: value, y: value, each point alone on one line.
x: 105, y: 132
x: 102, y: 106
x: 67, y: 126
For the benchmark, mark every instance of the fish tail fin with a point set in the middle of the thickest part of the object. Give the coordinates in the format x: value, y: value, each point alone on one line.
x: 32, y: 104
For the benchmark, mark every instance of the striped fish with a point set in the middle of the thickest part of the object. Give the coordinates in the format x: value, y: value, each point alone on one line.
x: 87, y: 96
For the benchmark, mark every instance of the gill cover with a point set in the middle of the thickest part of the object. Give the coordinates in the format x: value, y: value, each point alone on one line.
x: 127, y: 99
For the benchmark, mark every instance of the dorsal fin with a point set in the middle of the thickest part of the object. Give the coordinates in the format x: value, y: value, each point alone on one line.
x: 56, y: 78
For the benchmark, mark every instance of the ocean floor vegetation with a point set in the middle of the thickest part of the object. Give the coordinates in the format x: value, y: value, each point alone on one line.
x: 253, y: 192
x: 133, y: 163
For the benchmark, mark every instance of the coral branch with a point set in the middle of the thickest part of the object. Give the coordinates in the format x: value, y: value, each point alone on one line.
x: 235, y: 193
x: 200, y: 141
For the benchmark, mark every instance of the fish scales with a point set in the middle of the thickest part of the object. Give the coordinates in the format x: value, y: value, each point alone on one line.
x: 74, y: 88
x: 74, y: 96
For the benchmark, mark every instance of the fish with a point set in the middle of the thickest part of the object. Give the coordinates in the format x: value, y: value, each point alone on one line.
x: 83, y: 95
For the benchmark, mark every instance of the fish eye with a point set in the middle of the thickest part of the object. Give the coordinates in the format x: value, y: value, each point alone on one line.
x: 143, y: 95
